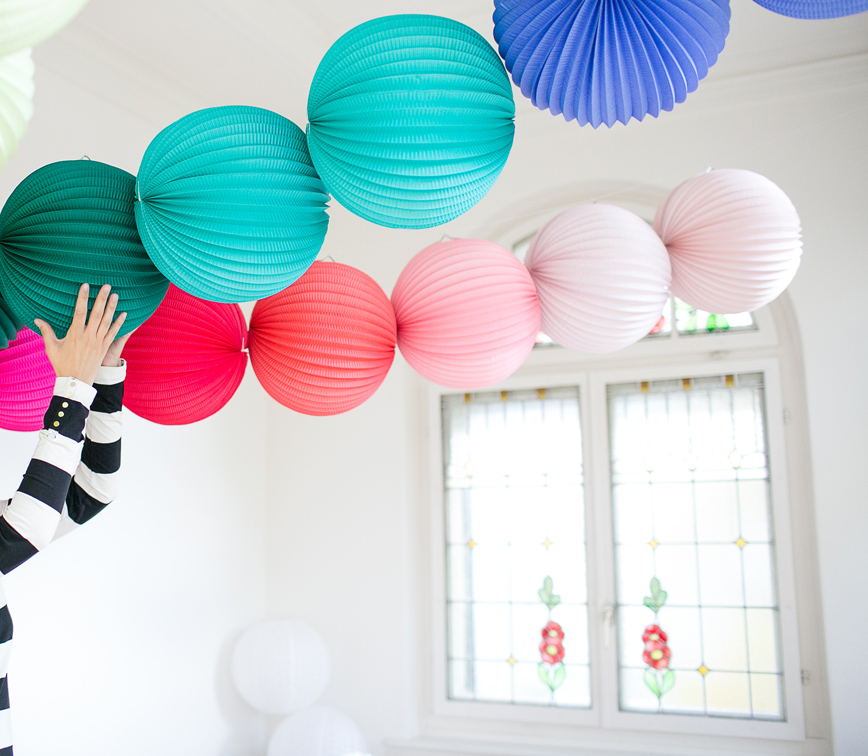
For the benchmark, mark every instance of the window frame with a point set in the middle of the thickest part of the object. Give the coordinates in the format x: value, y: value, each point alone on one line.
x: 604, y: 722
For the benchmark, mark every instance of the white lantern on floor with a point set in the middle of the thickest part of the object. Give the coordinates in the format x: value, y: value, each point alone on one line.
x: 280, y: 666
x: 16, y: 101
x: 318, y: 732
x: 24, y: 23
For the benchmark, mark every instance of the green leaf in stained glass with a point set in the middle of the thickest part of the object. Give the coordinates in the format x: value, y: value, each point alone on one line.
x: 716, y: 322
x: 668, y: 682
x: 560, y: 676
x: 651, y: 682
x: 544, y: 675
x: 650, y: 603
x: 546, y: 594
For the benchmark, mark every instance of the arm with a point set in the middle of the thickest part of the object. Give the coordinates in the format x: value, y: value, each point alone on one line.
x: 95, y: 483
x: 30, y: 520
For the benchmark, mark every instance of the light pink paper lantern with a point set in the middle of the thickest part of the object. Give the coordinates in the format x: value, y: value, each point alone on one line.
x: 602, y: 276
x: 467, y: 313
x: 734, y: 238
x: 26, y: 382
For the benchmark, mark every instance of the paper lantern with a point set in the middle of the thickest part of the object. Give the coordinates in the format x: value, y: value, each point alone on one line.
x: 16, y: 101
x: 411, y: 120
x: 324, y: 345
x: 24, y: 23
x: 229, y: 205
x: 602, y: 61
x: 9, y: 325
x: 187, y: 361
x: 319, y: 731
x: 734, y: 239
x: 815, y: 9
x: 71, y: 223
x: 26, y: 383
x: 467, y: 313
x: 602, y: 276
x: 280, y: 666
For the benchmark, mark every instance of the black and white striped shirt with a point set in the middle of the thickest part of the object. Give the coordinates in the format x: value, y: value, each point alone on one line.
x: 71, y: 477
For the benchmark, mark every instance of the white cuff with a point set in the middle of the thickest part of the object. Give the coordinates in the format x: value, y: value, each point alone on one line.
x: 73, y: 388
x: 109, y: 376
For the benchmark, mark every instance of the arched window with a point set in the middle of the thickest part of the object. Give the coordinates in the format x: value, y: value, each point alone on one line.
x: 614, y: 540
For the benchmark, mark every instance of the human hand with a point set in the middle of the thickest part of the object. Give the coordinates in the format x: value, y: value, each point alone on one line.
x: 81, y: 352
x: 113, y: 355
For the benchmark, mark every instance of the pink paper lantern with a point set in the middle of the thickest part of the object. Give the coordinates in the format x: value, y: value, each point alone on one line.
x: 468, y: 313
x: 26, y: 382
x: 734, y: 238
x: 186, y: 361
x: 602, y: 276
x: 325, y: 344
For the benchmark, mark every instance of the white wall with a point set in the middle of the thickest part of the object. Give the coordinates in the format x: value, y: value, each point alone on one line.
x: 123, y: 628
x: 345, y: 518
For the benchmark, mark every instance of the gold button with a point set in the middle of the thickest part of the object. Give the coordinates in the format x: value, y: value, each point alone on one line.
x: 56, y: 424
x: 60, y: 414
x: 72, y: 383
x: 65, y: 405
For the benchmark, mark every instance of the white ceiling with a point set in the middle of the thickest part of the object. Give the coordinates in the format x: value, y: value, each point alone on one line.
x: 196, y: 53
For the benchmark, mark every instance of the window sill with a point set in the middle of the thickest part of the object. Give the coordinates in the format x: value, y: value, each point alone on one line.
x: 622, y: 744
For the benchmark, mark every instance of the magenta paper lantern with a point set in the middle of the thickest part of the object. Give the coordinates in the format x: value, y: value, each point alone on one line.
x: 602, y: 276
x: 467, y: 312
x: 325, y: 344
x: 26, y: 383
x: 734, y: 238
x: 186, y: 361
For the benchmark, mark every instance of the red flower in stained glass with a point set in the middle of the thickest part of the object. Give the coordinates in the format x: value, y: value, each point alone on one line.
x: 551, y: 653
x: 653, y: 633
x: 553, y: 633
x: 656, y: 654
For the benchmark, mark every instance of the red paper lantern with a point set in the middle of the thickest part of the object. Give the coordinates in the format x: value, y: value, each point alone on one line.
x: 468, y: 313
x: 26, y: 382
x: 324, y: 345
x: 186, y: 361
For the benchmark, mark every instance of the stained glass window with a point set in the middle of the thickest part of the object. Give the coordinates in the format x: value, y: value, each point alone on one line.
x: 517, y: 613
x: 696, y: 597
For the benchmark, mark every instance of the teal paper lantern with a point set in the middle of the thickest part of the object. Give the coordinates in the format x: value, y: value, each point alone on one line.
x: 411, y: 120
x: 10, y: 325
x: 229, y: 205
x: 71, y: 223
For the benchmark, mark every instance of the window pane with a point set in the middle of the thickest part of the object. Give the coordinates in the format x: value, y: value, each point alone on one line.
x: 517, y: 609
x: 689, y: 320
x: 697, y: 612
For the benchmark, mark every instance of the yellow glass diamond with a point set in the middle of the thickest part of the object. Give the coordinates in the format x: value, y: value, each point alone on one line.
x: 703, y: 670
x: 653, y: 543
x: 741, y: 543
x: 547, y: 543
x: 511, y: 661
x: 471, y: 543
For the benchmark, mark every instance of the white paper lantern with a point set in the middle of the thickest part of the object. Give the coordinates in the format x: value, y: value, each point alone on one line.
x: 318, y: 732
x: 16, y: 101
x: 24, y: 23
x: 280, y: 666
x: 602, y: 276
x: 734, y: 239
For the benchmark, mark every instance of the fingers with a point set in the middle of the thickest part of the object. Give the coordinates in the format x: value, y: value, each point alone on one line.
x: 107, y: 317
x: 96, y: 312
x: 46, y: 330
x: 79, y: 317
x: 113, y: 331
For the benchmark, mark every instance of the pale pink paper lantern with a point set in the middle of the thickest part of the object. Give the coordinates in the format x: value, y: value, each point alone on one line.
x: 26, y: 382
x: 467, y: 313
x: 602, y: 276
x: 734, y: 239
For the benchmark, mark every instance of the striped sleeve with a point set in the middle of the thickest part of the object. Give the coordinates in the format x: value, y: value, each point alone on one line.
x: 30, y: 519
x: 95, y: 482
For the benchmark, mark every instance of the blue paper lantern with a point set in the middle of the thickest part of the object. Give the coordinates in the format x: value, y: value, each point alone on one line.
x: 815, y: 9
x: 602, y: 61
x: 229, y: 206
x: 411, y: 120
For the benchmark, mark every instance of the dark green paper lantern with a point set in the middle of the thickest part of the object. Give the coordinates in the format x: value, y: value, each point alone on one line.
x: 9, y: 324
x: 70, y: 223
x: 411, y: 120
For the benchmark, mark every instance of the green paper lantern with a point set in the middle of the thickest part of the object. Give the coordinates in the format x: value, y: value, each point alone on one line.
x: 411, y: 120
x: 229, y: 205
x: 16, y: 101
x: 71, y: 223
x: 24, y: 23
x: 10, y: 325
